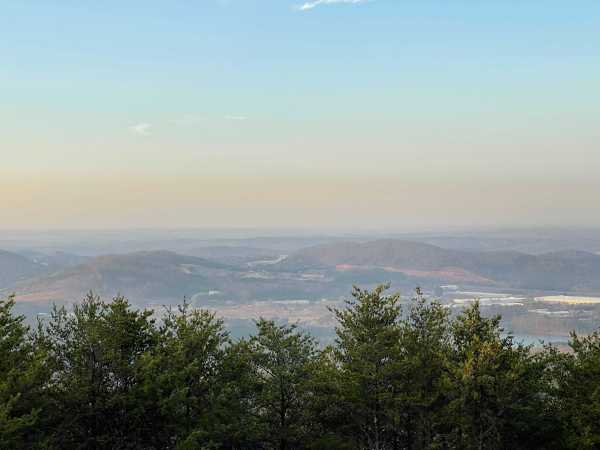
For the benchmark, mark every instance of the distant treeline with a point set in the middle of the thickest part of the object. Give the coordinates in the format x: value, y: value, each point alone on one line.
x: 108, y: 376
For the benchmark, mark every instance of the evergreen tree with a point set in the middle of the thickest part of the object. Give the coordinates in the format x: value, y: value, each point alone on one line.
x: 238, y: 418
x: 181, y: 378
x: 330, y: 409
x: 107, y: 376
x: 498, y: 391
x: 21, y: 381
x: 368, y: 333
x: 578, y: 379
x: 282, y: 362
x: 95, y: 354
x: 423, y: 360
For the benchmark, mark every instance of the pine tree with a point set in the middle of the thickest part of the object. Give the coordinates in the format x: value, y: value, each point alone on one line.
x: 282, y: 362
x: 498, y: 390
x: 21, y: 380
x: 423, y: 359
x: 95, y: 355
x: 578, y: 379
x: 181, y: 378
x: 368, y: 333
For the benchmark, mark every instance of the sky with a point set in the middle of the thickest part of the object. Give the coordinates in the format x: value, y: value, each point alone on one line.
x: 393, y: 114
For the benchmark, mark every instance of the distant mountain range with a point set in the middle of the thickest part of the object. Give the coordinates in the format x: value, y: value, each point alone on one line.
x: 321, y: 271
x: 15, y: 267
x: 564, y: 270
x: 149, y: 275
x: 164, y: 277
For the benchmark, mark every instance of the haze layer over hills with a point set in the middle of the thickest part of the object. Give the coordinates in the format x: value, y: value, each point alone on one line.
x: 249, y: 273
x: 564, y: 270
x: 14, y: 267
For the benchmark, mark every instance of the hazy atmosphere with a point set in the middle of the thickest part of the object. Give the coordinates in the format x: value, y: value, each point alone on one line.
x: 299, y: 225
x: 282, y: 113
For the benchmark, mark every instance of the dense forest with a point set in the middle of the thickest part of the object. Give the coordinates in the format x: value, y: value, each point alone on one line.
x: 108, y: 376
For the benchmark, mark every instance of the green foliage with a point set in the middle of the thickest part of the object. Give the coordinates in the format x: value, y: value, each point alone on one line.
x: 367, y: 336
x: 181, y: 377
x: 95, y: 353
x: 107, y: 376
x: 282, y: 361
x: 424, y: 385
x: 579, y: 392
x: 19, y: 372
x: 498, y: 388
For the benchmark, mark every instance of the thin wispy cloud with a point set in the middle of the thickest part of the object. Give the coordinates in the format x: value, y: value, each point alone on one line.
x: 239, y: 118
x: 140, y: 129
x: 307, y: 6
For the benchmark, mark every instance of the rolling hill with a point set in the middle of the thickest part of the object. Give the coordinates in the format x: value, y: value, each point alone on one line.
x: 165, y: 277
x: 565, y: 270
x: 324, y: 271
x: 151, y: 275
x: 15, y: 267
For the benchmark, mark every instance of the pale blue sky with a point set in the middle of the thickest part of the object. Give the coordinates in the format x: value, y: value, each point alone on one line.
x: 226, y: 94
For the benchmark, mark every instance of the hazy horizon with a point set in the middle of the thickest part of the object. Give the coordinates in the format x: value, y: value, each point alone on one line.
x: 372, y: 114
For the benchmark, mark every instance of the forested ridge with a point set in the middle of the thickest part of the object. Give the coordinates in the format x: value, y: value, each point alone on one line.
x: 109, y: 376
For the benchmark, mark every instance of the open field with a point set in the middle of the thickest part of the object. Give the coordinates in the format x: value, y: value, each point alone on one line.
x: 569, y: 300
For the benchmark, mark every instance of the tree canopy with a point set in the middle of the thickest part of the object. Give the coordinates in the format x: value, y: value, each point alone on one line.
x: 399, y: 376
